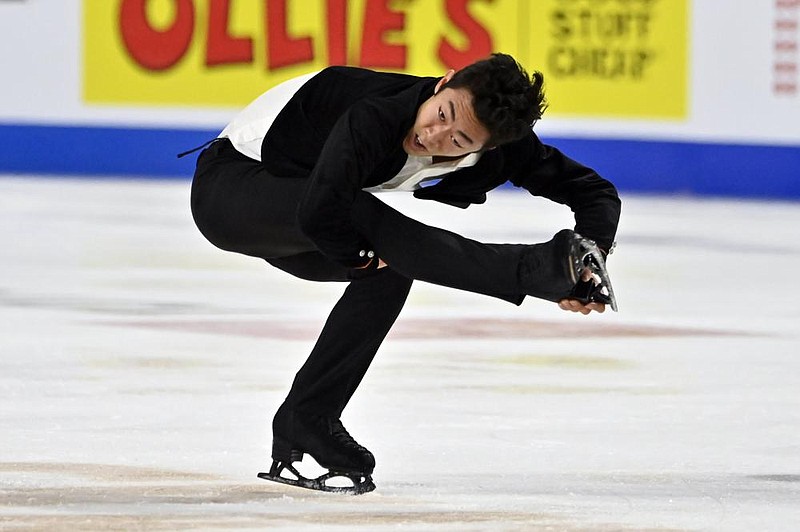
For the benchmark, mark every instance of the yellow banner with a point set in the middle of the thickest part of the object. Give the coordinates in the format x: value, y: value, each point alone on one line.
x: 606, y: 57
x: 625, y: 58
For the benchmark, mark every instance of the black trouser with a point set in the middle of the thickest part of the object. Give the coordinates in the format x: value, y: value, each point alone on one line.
x: 240, y: 207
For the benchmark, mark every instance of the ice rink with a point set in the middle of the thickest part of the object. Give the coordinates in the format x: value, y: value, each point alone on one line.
x: 141, y: 366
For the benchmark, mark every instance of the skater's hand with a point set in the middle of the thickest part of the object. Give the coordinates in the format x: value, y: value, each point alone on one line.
x: 575, y: 305
x: 381, y: 264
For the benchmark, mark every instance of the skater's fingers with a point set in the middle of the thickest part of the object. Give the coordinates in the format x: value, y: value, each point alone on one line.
x: 570, y: 304
x: 573, y: 305
x: 381, y: 264
x: 597, y: 307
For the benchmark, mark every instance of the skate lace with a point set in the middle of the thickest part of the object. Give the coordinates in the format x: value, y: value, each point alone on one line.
x: 341, y: 435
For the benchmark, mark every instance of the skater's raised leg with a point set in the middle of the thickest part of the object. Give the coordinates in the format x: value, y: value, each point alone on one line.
x: 508, y: 271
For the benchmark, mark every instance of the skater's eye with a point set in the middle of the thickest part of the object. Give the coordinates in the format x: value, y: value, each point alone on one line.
x: 456, y: 142
x: 441, y: 114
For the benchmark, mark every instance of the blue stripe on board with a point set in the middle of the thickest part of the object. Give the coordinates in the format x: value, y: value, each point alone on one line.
x: 691, y: 168
x: 99, y: 151
x: 633, y: 165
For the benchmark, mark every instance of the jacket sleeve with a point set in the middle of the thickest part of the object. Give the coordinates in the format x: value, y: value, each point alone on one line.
x: 359, y: 140
x: 545, y: 171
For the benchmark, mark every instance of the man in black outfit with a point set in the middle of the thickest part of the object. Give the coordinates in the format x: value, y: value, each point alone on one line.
x: 290, y: 180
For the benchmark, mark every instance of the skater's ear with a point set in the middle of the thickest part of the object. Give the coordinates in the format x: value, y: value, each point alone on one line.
x: 442, y: 82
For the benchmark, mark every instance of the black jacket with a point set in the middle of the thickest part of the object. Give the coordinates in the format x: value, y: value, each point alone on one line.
x: 343, y: 130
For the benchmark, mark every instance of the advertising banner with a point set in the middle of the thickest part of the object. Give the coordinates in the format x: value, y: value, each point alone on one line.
x: 601, y: 57
x: 613, y: 57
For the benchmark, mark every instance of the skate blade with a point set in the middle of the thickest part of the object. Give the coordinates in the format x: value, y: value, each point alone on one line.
x: 361, y: 483
x: 591, y: 257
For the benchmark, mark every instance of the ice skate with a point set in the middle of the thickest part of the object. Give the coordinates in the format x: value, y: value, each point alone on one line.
x: 592, y: 283
x: 567, y: 266
x: 329, y: 444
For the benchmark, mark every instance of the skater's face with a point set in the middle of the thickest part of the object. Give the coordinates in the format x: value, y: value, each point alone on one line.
x: 446, y: 125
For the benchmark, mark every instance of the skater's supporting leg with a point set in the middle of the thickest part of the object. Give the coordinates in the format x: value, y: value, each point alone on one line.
x: 308, y: 421
x: 349, y: 340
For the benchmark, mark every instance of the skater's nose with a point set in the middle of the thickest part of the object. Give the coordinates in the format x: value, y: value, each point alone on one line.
x: 436, y: 136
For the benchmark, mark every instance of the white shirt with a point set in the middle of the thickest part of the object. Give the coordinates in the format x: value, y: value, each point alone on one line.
x: 417, y: 170
x: 248, y: 129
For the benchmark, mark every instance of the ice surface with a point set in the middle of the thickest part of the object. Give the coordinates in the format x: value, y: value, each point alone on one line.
x: 140, y: 366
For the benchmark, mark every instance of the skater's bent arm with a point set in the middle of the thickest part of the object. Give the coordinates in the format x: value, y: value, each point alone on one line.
x: 545, y: 171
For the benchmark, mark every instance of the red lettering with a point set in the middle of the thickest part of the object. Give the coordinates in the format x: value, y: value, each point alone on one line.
x: 151, y: 48
x: 786, y: 24
x: 337, y: 32
x: 480, y: 41
x: 222, y: 47
x: 283, y: 50
x: 375, y: 52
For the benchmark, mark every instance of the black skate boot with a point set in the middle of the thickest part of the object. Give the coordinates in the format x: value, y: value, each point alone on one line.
x: 568, y: 266
x: 328, y: 442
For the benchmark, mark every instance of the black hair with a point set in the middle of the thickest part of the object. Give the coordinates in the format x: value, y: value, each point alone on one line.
x: 506, y: 100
